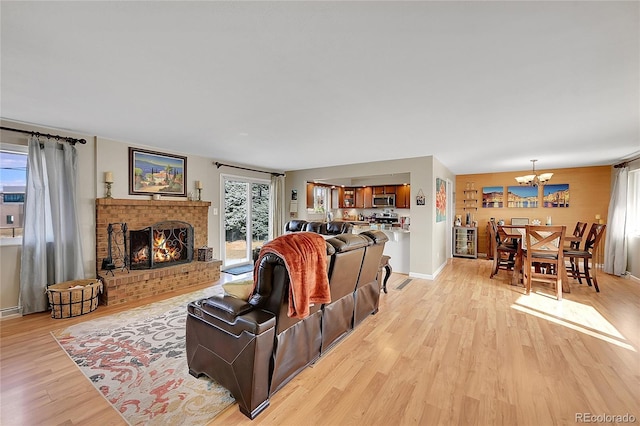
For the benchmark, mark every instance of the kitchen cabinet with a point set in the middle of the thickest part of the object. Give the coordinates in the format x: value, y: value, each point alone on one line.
x: 310, y: 188
x: 368, y: 197
x: 403, y: 196
x: 346, y: 198
x: 364, y: 197
x: 465, y: 242
x: 386, y: 189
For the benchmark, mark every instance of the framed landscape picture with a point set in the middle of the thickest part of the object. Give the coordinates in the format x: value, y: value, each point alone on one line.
x: 156, y: 173
x: 556, y: 195
x: 492, y: 196
x: 522, y: 196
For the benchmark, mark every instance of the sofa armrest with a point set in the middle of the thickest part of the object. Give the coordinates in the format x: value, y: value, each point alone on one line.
x: 226, y: 305
x: 231, y: 314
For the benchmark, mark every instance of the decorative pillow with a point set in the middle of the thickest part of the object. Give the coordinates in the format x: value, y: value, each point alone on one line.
x: 240, y: 289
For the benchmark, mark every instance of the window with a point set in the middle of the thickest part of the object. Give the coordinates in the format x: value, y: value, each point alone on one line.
x: 320, y: 197
x: 13, y: 198
x: 13, y: 181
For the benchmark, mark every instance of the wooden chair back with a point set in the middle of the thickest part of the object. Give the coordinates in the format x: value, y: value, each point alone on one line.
x: 493, y: 235
x: 503, y: 255
x: 543, y: 245
x: 543, y: 240
x: 593, y: 237
x: 578, y: 231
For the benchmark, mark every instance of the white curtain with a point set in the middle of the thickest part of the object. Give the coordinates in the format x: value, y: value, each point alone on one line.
x: 51, y: 245
x: 615, y: 255
x: 276, y: 204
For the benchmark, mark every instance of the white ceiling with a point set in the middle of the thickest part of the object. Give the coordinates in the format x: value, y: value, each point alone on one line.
x: 482, y: 86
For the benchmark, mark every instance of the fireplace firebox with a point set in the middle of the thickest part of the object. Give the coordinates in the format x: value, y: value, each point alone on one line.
x: 162, y: 244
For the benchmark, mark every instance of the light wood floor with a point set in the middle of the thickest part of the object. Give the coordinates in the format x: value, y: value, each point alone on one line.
x: 462, y: 349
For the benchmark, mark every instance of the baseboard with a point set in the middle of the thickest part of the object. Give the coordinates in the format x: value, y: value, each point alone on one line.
x: 9, y: 312
x: 633, y: 278
x: 428, y: 276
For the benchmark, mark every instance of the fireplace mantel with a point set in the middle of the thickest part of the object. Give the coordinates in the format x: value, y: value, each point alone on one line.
x: 152, y: 203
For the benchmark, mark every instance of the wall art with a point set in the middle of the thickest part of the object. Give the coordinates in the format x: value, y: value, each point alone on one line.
x: 441, y: 200
x: 492, y: 196
x: 156, y: 173
x: 522, y: 196
x: 556, y: 195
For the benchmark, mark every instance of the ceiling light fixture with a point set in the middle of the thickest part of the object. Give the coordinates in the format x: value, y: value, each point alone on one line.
x: 533, y: 179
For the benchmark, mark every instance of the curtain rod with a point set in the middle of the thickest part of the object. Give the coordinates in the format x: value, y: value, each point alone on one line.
x: 72, y: 141
x: 626, y: 163
x: 218, y: 165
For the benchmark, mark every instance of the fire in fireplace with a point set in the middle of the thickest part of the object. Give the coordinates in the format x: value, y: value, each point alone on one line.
x: 162, y: 244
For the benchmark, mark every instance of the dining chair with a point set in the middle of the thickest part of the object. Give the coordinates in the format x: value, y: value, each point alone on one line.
x: 543, y: 257
x: 574, y: 244
x: 591, y: 244
x: 503, y: 253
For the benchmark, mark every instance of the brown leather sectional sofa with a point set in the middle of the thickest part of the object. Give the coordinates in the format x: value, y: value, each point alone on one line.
x: 335, y: 227
x: 253, y: 348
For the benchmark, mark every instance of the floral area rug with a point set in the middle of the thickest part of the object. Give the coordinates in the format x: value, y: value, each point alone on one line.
x: 137, y: 360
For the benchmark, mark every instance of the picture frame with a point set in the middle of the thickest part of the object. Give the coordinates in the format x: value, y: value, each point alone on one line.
x: 556, y: 195
x: 152, y: 172
x: 441, y: 200
x: 492, y: 196
x: 523, y: 196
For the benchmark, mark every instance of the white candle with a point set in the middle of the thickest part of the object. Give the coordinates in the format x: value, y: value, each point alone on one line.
x: 108, y: 177
x: 198, y: 184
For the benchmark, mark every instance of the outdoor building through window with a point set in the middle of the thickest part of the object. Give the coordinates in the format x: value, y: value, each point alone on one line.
x: 13, y: 181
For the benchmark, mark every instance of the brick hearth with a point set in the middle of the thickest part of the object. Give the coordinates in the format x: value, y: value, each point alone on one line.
x: 123, y: 287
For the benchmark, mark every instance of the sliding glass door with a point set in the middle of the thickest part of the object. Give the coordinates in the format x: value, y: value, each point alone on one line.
x: 246, y: 218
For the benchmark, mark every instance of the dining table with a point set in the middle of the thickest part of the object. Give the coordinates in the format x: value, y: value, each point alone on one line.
x: 517, y: 233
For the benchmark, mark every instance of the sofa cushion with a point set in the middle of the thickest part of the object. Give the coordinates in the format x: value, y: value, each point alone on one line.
x: 239, y: 289
x: 347, y: 242
x: 317, y: 227
x: 295, y: 225
x: 338, y: 227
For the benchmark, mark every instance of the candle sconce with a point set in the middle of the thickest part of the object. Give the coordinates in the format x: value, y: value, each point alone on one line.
x: 108, y: 180
x: 199, y: 188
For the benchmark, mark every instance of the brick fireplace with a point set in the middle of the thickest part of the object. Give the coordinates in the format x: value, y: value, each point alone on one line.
x: 123, y: 286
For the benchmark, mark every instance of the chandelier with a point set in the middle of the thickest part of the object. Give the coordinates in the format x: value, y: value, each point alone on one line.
x: 533, y: 179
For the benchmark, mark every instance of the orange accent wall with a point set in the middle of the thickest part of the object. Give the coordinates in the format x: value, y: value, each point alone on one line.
x: 589, y: 192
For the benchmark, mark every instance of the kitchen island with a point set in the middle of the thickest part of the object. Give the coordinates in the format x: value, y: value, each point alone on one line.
x: 397, y: 247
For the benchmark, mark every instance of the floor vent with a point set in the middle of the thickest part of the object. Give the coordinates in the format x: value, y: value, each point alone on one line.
x: 404, y: 284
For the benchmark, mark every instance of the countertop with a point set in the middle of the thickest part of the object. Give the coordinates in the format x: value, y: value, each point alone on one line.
x: 380, y: 227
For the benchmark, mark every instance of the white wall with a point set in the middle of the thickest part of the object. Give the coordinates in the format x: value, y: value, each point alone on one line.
x: 428, y: 244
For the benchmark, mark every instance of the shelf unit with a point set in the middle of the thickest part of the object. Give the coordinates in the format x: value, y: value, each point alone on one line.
x: 465, y: 242
x: 470, y: 199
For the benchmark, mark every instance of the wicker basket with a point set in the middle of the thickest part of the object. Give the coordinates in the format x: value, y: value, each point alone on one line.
x: 74, y: 298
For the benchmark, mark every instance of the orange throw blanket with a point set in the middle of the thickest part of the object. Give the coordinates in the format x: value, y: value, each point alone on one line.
x: 305, y: 256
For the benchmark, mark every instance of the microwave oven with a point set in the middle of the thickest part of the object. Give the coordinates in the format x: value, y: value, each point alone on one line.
x: 384, y: 200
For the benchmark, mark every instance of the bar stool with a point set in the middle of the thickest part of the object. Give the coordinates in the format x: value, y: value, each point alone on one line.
x: 384, y: 263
